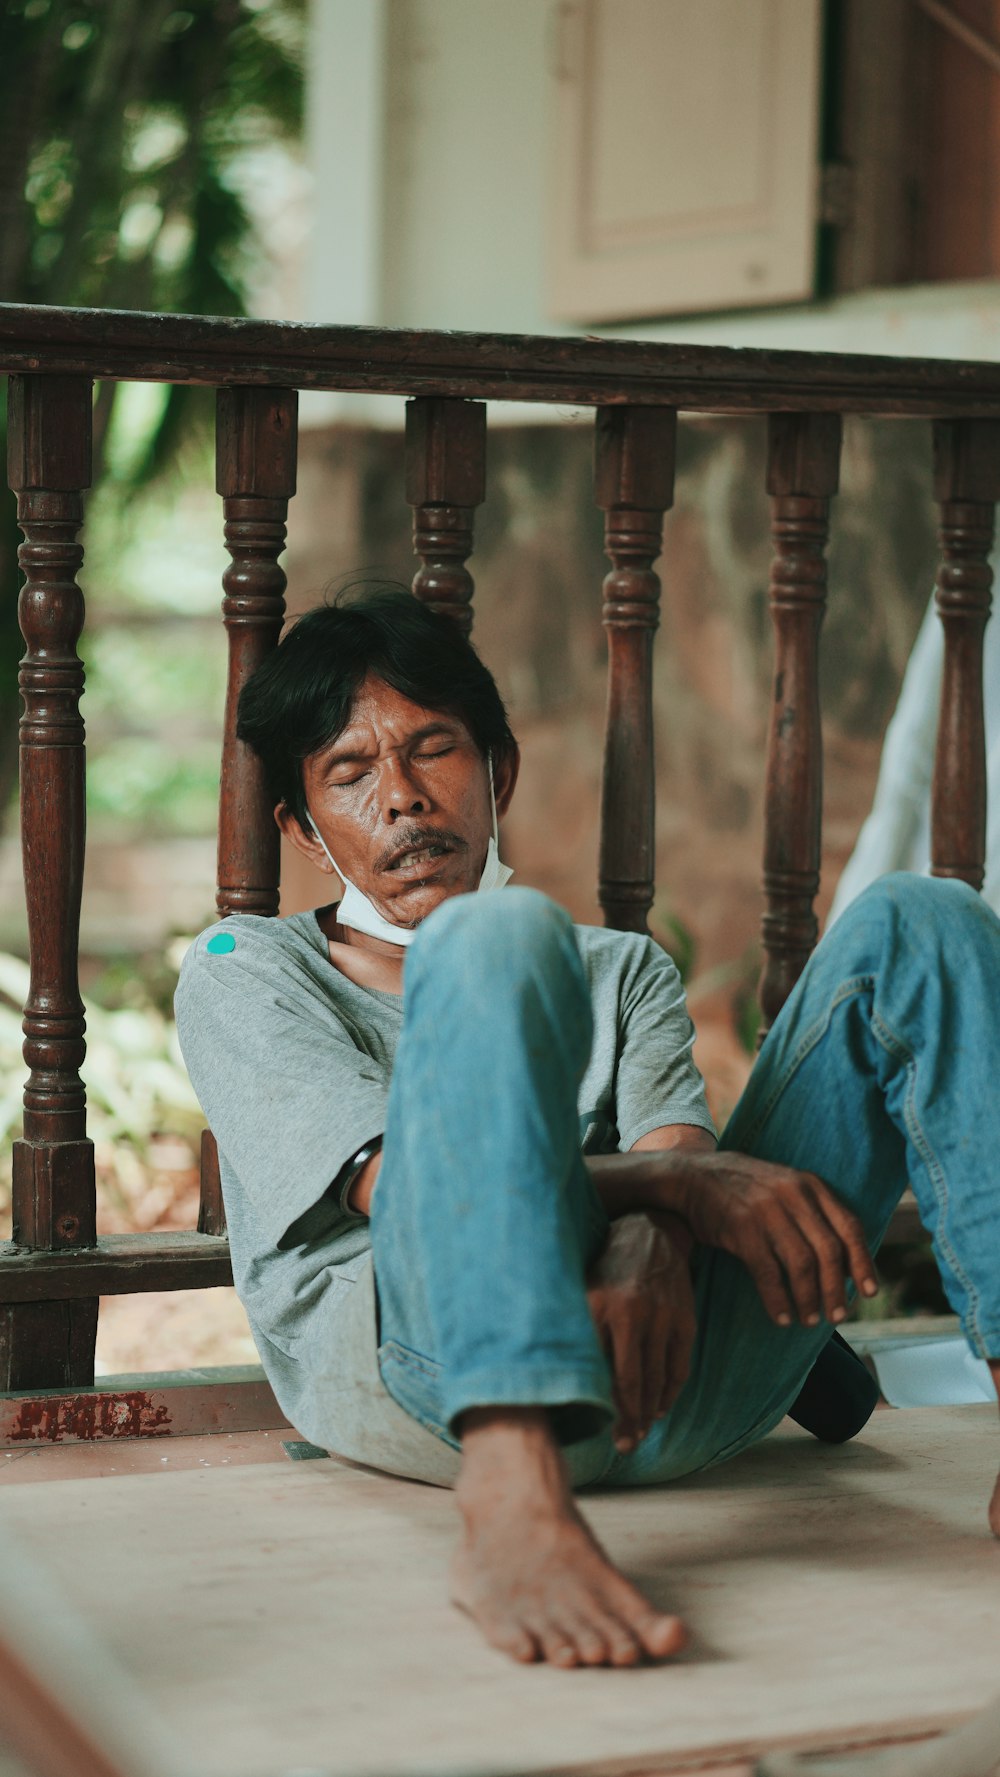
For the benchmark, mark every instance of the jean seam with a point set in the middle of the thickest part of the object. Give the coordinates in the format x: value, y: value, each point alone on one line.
x: 410, y: 1360
x: 807, y: 1042
x: 404, y: 1354
x: 888, y: 1040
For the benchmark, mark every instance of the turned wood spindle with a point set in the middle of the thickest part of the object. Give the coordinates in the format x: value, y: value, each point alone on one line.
x: 255, y: 474
x: 445, y: 482
x: 967, y: 485
x: 51, y: 1344
x: 802, y: 476
x: 634, y: 479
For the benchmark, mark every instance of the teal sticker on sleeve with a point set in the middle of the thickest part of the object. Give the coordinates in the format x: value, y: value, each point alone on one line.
x: 221, y: 944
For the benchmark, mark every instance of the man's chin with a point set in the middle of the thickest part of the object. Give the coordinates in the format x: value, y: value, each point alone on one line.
x: 419, y: 900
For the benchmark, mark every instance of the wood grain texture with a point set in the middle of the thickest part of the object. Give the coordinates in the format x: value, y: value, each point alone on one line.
x: 256, y: 456
x: 118, y: 1265
x: 214, y: 1589
x: 445, y: 482
x: 121, y: 344
x: 255, y: 474
x: 967, y: 485
x: 803, y: 469
x: 634, y: 482
x: 54, y: 1193
x: 211, y: 1208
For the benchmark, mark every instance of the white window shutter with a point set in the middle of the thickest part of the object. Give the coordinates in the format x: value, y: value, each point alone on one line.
x: 684, y: 156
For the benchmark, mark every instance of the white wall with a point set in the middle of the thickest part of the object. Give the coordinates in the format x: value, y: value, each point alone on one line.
x: 434, y: 113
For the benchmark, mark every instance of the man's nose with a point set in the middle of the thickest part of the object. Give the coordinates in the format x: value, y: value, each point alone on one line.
x: 401, y: 794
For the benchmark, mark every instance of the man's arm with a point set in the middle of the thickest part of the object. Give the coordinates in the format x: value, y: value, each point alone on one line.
x: 359, y: 1197
x: 616, y: 1183
x: 797, y: 1240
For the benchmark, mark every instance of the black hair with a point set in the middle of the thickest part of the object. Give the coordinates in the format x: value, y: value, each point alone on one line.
x: 301, y: 698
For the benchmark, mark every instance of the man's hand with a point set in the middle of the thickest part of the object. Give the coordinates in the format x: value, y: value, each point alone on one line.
x: 797, y: 1241
x: 642, y: 1303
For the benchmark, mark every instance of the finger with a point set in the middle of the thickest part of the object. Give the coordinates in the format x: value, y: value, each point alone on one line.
x: 679, y: 1354
x: 860, y: 1263
x: 799, y: 1263
x: 831, y: 1255
x: 655, y: 1361
x: 769, y: 1278
x: 628, y: 1386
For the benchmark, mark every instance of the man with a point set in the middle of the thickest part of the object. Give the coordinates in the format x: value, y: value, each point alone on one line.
x: 461, y: 1134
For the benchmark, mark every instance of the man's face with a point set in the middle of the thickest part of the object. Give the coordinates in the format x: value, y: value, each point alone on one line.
x: 402, y: 799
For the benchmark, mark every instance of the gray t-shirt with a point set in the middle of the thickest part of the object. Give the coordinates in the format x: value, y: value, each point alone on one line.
x: 292, y: 1061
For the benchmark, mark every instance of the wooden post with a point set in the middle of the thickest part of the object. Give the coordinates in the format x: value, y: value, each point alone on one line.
x: 803, y: 474
x: 255, y: 474
x: 967, y: 484
x: 445, y: 482
x: 51, y: 1344
x: 634, y: 451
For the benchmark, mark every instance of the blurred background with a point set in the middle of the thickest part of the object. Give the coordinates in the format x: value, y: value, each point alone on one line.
x: 770, y: 173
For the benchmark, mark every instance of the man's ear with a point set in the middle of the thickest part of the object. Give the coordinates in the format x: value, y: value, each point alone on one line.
x: 505, y: 770
x: 303, y: 839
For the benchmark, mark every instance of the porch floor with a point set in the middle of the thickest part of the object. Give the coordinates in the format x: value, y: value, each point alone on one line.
x: 284, y: 1614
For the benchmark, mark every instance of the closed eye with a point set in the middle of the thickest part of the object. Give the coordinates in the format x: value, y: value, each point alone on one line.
x: 344, y: 783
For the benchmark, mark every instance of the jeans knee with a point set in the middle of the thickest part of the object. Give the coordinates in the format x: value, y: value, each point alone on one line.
x: 516, y: 919
x: 925, y: 900
x: 932, y: 916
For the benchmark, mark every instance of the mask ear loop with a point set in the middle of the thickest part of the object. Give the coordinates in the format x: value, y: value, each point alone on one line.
x: 493, y: 800
x: 326, y: 848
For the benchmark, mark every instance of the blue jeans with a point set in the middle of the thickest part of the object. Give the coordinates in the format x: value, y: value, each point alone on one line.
x: 881, y: 1069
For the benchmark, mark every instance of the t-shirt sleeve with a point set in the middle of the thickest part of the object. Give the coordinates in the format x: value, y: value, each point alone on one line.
x: 287, y: 1093
x: 656, y: 1080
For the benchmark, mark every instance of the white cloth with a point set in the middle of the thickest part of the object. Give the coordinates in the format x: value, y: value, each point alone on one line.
x: 897, y: 833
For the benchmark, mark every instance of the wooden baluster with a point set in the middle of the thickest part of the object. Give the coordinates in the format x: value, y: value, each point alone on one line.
x: 967, y: 483
x: 51, y: 1344
x: 634, y: 477
x: 445, y: 482
x: 255, y: 474
x: 802, y: 476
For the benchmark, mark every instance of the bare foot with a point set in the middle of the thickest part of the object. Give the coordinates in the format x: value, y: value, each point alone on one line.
x: 528, y: 1570
x: 995, y: 1501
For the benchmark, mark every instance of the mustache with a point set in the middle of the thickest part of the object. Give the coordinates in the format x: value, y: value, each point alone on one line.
x: 414, y: 839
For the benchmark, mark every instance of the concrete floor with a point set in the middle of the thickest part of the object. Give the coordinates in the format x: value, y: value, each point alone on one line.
x: 283, y: 1615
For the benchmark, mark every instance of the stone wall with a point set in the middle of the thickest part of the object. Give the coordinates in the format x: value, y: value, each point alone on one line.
x: 538, y: 566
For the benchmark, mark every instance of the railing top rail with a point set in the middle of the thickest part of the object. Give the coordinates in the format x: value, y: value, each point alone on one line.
x: 127, y: 345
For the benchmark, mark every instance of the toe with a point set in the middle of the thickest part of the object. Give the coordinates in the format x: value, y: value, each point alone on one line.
x: 623, y: 1648
x: 590, y: 1641
x: 516, y: 1642
x: 558, y: 1648
x: 660, y: 1635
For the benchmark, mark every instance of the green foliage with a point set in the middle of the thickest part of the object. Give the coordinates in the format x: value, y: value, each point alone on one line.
x: 673, y: 936
x: 135, y: 118
x: 138, y: 1092
x: 748, y: 1014
x: 130, y: 131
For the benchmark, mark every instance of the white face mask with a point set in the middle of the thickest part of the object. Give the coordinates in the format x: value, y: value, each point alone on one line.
x: 356, y: 911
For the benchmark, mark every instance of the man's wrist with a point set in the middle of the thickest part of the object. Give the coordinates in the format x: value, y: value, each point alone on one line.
x: 676, y: 1229
x: 648, y: 1181
x: 351, y: 1172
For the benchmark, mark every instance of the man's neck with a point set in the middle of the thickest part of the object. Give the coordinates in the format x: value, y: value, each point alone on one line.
x: 368, y: 961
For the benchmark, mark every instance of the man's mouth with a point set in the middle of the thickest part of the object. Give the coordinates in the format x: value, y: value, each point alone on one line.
x: 417, y: 859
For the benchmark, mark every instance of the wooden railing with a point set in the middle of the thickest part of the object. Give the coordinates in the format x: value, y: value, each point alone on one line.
x: 54, y: 1270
